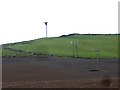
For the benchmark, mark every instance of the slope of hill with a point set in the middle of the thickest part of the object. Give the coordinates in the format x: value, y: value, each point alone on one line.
x: 82, y: 46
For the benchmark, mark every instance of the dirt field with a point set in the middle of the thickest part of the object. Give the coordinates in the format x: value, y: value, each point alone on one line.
x: 54, y: 72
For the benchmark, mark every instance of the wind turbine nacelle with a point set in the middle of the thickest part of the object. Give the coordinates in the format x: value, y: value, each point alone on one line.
x: 45, y: 23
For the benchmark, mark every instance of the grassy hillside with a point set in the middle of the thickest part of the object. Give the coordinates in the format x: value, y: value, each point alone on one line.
x: 0, y: 52
x: 62, y: 46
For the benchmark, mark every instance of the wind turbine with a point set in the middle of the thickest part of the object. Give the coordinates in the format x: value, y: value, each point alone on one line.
x: 46, y: 28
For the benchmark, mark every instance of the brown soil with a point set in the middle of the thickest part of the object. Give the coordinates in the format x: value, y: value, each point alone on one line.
x: 54, y: 72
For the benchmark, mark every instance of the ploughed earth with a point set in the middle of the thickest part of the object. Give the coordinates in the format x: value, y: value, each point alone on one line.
x: 57, y: 72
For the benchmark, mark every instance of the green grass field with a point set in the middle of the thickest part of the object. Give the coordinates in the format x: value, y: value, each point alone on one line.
x: 0, y: 52
x: 10, y: 53
x: 61, y: 46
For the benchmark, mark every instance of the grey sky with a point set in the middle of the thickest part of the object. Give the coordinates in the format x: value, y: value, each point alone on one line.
x: 24, y: 19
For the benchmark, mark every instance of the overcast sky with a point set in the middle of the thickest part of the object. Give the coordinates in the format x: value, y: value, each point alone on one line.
x: 22, y: 20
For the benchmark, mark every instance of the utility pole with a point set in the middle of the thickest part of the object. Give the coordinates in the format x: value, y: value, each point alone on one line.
x: 75, y: 44
x: 97, y: 57
x: 97, y: 60
x: 73, y: 49
x: 77, y: 49
x: 46, y: 28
